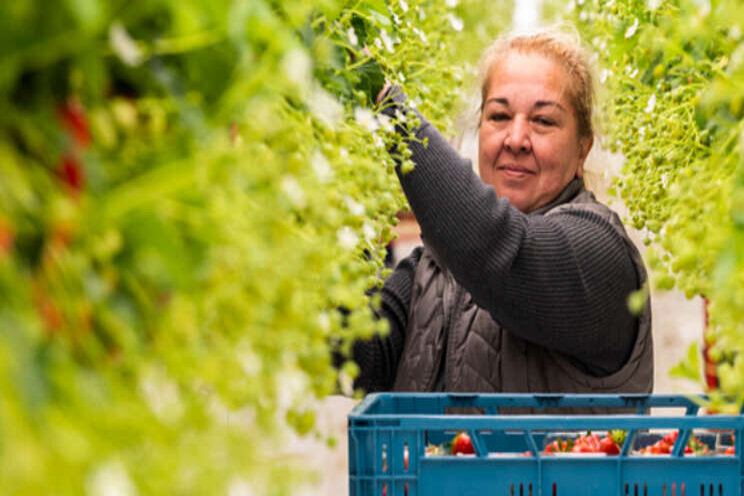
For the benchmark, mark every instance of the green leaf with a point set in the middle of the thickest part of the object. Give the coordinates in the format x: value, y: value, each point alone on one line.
x: 381, y: 18
x: 690, y: 367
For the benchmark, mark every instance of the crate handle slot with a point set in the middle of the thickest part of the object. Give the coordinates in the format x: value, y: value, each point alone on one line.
x: 521, y: 489
x: 548, y: 397
x: 460, y: 398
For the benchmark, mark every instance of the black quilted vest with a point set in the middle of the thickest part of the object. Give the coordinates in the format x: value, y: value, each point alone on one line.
x: 445, y: 324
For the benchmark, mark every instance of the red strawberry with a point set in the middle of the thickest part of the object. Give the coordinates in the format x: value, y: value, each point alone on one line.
x: 462, y: 444
x: 73, y: 119
x: 6, y: 237
x: 607, y: 445
x: 71, y: 172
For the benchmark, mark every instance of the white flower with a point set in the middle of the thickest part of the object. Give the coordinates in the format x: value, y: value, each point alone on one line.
x: 325, y: 107
x: 378, y: 43
x: 124, y: 46
x: 343, y: 152
x: 386, y: 40
x: 403, y: 5
x: 110, y: 479
x: 634, y: 73
x: 321, y: 167
x: 451, y: 3
x: 584, y: 15
x: 354, y: 206
x: 396, y: 19
x: 347, y: 238
x: 653, y: 4
x: 366, y: 119
x: 422, y: 15
x: 632, y: 29
x: 378, y: 141
x: 352, y: 36
x: 604, y: 76
x: 297, y: 67
x: 369, y: 232
x: 455, y: 22
x: 161, y: 394
x: 421, y: 35
x: 385, y: 123
x: 293, y: 190
x: 651, y: 103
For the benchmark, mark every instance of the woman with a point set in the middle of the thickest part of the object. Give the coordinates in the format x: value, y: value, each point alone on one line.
x: 522, y: 283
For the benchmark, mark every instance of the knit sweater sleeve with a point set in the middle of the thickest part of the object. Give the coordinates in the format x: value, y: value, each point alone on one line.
x: 560, y: 281
x: 378, y: 358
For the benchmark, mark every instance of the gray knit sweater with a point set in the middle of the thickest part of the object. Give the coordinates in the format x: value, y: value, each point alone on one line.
x: 559, y: 281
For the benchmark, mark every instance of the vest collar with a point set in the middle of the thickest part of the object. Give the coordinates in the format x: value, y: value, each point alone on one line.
x: 572, y: 189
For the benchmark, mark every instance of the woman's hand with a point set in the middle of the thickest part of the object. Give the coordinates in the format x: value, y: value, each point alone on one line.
x: 383, y: 91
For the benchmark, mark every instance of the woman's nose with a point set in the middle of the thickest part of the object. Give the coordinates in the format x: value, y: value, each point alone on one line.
x: 518, y: 137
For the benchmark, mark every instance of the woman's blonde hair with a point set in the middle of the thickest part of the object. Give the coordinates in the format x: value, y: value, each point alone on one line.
x: 562, y: 47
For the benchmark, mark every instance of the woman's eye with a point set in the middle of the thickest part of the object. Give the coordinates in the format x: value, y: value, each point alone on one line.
x: 499, y: 117
x: 543, y: 121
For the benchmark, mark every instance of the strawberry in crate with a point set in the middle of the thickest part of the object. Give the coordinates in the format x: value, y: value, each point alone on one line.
x: 609, y: 444
x: 460, y: 444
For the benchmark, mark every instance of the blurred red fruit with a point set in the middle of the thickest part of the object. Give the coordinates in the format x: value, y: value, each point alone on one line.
x: 73, y: 119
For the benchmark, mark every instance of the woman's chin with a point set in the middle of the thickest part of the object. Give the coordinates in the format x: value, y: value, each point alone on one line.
x: 516, y: 199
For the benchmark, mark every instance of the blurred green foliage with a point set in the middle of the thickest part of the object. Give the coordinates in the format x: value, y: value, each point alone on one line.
x: 673, y: 74
x: 188, y: 192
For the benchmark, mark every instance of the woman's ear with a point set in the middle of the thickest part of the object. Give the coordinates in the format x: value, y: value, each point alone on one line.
x: 585, y: 146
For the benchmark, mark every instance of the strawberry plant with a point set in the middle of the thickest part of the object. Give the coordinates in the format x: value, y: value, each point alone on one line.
x: 190, y: 191
x: 673, y: 78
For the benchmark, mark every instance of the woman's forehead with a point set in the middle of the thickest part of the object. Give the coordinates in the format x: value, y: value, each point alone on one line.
x: 531, y: 76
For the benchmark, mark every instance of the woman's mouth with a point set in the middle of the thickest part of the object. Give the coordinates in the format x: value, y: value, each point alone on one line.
x: 515, y: 171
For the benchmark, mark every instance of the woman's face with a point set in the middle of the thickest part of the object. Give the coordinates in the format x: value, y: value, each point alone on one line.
x: 529, y: 146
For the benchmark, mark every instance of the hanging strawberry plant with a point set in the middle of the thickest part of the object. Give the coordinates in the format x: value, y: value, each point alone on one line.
x: 674, y: 76
x: 189, y: 192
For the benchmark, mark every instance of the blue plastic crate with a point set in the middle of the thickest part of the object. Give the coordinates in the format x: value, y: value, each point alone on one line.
x: 384, y: 428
